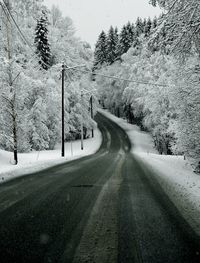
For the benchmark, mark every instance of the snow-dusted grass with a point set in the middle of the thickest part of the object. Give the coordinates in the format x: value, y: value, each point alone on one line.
x: 173, y: 173
x: 36, y: 161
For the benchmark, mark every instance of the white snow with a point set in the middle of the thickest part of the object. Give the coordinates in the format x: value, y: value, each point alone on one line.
x: 174, y: 174
x: 36, y: 161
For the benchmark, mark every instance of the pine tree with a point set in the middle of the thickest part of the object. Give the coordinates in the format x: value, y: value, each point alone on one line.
x: 116, y: 35
x: 120, y: 44
x: 100, y: 55
x: 155, y: 22
x: 139, y: 27
x: 126, y: 39
x: 147, y: 28
x: 42, y: 43
x: 144, y: 23
x: 130, y: 33
x: 117, y: 41
x: 111, y: 48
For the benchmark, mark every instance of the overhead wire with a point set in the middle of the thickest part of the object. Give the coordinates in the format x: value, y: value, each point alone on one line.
x: 118, y: 78
x: 8, y: 18
x: 18, y: 28
x: 9, y: 15
x: 72, y: 82
x: 4, y: 10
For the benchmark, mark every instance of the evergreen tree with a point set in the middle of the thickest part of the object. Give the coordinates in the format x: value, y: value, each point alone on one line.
x: 116, y: 35
x: 130, y: 33
x: 120, y: 44
x: 100, y: 54
x: 116, y: 41
x: 111, y: 48
x: 126, y: 39
x: 144, y: 23
x: 41, y: 42
x: 139, y: 27
x: 147, y: 28
x: 155, y: 22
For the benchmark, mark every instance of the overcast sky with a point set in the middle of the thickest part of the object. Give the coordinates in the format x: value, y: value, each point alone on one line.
x: 92, y: 16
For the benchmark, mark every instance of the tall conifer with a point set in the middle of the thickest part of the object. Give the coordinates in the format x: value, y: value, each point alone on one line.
x: 100, y: 54
x: 41, y: 41
x: 111, y: 48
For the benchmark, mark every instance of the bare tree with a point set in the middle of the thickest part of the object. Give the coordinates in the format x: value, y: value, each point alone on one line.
x: 10, y: 98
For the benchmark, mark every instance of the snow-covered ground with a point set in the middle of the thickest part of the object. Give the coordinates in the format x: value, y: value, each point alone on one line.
x: 36, y: 161
x: 173, y: 173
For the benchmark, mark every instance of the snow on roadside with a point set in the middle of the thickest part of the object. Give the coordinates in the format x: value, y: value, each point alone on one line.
x: 36, y: 161
x: 173, y: 173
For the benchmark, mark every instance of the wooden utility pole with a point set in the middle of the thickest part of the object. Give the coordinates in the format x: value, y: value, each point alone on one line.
x: 92, y: 115
x: 82, y: 122
x: 63, y: 112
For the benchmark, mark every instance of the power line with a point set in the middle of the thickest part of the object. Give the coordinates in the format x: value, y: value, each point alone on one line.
x: 20, y: 31
x: 18, y: 28
x: 4, y: 10
x: 8, y: 15
x: 76, y: 69
x: 117, y: 78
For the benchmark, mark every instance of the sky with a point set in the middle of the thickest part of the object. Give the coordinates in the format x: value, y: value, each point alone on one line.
x: 90, y: 17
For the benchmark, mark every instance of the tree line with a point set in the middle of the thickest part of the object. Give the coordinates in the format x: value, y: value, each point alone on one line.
x: 165, y: 65
x: 30, y: 84
x: 111, y: 46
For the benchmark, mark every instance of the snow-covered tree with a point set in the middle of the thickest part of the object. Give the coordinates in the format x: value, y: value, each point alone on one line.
x: 164, y: 99
x: 183, y: 18
x: 34, y: 103
x: 100, y: 54
x: 126, y: 39
x: 111, y: 47
x: 41, y: 42
x: 39, y: 136
x: 139, y: 27
x: 147, y: 27
x: 154, y: 22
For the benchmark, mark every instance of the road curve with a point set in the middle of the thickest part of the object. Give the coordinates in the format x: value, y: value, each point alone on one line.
x: 104, y: 208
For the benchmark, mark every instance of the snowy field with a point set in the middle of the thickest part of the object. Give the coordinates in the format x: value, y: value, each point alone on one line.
x: 173, y: 173
x: 36, y: 161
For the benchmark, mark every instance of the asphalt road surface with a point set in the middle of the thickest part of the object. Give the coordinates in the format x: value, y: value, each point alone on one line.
x: 104, y: 208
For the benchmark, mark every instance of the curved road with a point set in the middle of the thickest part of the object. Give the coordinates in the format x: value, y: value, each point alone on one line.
x: 104, y: 208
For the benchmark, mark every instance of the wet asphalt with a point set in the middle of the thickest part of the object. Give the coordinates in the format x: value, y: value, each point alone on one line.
x: 102, y: 208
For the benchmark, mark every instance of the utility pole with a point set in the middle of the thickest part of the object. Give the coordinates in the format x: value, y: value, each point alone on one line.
x: 81, y: 122
x: 92, y: 116
x: 63, y: 112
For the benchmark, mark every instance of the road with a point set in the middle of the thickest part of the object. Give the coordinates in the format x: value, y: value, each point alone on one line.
x: 104, y: 208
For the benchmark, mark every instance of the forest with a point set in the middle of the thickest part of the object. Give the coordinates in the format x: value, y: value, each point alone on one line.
x: 160, y: 59
x: 157, y: 62
x: 31, y: 58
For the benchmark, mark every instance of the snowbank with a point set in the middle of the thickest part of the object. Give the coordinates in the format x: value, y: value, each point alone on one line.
x: 36, y: 161
x: 173, y: 173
